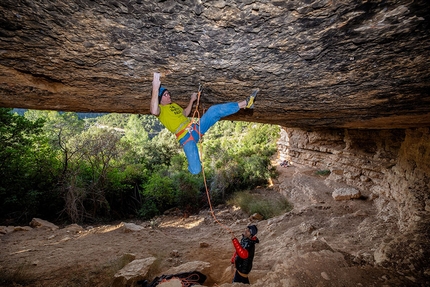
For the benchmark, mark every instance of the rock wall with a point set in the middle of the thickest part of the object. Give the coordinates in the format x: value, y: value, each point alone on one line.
x: 391, y: 167
x: 368, y: 58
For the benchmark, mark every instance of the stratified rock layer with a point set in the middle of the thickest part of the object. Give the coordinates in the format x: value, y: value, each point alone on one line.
x: 392, y: 168
x: 349, y: 64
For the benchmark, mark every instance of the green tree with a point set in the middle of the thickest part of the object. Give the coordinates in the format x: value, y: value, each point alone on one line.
x: 237, y: 156
x: 97, y: 151
x: 188, y: 186
x: 158, y: 195
x: 60, y: 128
x: 120, y: 164
x: 161, y: 149
x: 136, y: 136
x: 26, y: 173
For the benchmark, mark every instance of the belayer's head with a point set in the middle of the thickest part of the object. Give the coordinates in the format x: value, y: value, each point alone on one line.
x: 252, y: 230
x: 161, y: 92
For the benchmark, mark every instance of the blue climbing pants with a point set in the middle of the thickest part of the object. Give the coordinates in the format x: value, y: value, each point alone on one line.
x: 190, y: 140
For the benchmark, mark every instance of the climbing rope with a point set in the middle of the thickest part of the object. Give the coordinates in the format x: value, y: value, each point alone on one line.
x: 196, y: 112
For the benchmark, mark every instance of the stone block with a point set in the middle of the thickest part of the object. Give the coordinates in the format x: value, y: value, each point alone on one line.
x: 346, y: 193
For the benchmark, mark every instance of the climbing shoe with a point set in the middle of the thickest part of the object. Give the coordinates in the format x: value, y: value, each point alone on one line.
x: 250, y: 100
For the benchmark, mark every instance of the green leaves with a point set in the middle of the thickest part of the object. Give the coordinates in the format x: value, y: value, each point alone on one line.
x: 237, y: 156
x: 25, y: 164
x: 55, y: 164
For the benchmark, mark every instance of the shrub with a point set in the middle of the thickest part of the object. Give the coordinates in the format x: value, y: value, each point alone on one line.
x: 268, y: 207
x: 158, y: 195
x: 188, y: 191
x: 324, y: 172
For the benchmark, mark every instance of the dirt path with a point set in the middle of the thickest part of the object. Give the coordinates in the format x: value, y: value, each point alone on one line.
x: 321, y: 242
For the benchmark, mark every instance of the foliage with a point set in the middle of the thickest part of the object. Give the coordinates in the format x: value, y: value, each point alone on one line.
x: 97, y: 151
x: 59, y: 166
x: 188, y: 188
x: 27, y: 168
x: 158, y: 195
x: 238, y: 156
x: 266, y: 206
x: 324, y: 172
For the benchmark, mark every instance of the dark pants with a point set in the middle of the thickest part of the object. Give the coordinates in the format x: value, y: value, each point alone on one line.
x: 239, y: 278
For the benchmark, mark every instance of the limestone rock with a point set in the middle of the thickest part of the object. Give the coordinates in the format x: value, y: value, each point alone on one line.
x: 131, y: 227
x: 134, y: 271
x: 189, y: 267
x: 346, y: 193
x: 6, y: 229
x: 65, y: 238
x: 256, y: 217
x: 396, y: 161
x: 22, y: 228
x: 40, y: 223
x: 323, y: 64
x: 325, y: 276
x: 74, y: 228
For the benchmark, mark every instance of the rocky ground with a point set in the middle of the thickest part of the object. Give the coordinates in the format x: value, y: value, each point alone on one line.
x: 321, y: 242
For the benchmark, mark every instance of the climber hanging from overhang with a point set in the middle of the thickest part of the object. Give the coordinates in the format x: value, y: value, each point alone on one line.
x: 188, y: 132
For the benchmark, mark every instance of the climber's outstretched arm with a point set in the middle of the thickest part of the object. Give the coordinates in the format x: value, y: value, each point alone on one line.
x: 155, y: 109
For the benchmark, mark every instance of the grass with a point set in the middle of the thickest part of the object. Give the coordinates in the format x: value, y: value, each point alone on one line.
x: 323, y: 172
x: 266, y: 206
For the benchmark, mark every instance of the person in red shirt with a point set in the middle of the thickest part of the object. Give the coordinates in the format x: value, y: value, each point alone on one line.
x: 244, y: 254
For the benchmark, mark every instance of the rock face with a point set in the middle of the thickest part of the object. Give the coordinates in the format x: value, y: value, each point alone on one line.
x: 347, y: 64
x: 390, y: 167
x: 354, y: 76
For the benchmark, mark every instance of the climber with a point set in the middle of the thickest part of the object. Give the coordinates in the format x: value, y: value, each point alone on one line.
x: 244, y: 254
x: 174, y: 118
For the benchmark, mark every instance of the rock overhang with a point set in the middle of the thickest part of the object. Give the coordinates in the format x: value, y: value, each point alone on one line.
x: 318, y: 64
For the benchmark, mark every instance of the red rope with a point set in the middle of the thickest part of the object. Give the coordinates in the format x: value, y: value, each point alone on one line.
x: 196, y: 111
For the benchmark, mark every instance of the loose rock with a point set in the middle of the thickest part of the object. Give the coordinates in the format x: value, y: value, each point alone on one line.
x: 346, y: 194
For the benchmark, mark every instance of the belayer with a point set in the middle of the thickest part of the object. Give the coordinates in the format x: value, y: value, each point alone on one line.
x: 244, y: 254
x: 176, y: 120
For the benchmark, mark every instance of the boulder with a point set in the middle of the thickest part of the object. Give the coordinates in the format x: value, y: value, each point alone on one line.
x: 346, y: 193
x: 40, y: 223
x: 133, y: 272
x: 6, y: 229
x: 74, y: 228
x: 131, y: 227
x: 22, y: 228
x: 256, y: 217
x: 190, y: 266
